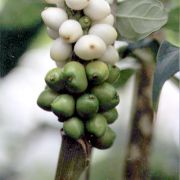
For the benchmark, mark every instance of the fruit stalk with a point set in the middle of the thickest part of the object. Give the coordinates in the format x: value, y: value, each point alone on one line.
x: 136, y: 160
x: 73, y: 158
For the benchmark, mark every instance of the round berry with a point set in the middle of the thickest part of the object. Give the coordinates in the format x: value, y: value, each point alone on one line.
x: 105, y: 31
x: 97, y: 9
x: 74, y: 128
x: 110, y: 56
x: 60, y: 50
x: 70, y: 31
x: 77, y: 4
x: 53, y: 17
x: 105, y: 141
x: 87, y: 105
x: 96, y: 125
x: 63, y: 106
x: 89, y: 47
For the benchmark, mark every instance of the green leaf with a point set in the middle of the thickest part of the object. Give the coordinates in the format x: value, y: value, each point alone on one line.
x: 167, y: 66
x: 124, y: 77
x: 173, y: 20
x: 172, y: 37
x: 21, y: 13
x: 136, y: 19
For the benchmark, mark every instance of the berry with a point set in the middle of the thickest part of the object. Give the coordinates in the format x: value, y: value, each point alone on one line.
x: 53, y: 17
x: 105, y: 31
x: 60, y: 50
x: 97, y: 9
x: 89, y: 47
x: 87, y: 105
x: 46, y: 98
x: 110, y: 56
x: 105, y: 141
x: 74, y: 128
x: 110, y: 115
x: 107, y: 96
x: 75, y: 77
x: 70, y: 31
x: 63, y: 106
x: 55, y: 79
x: 96, y: 125
x: 97, y: 72
x: 114, y: 74
x: 77, y: 4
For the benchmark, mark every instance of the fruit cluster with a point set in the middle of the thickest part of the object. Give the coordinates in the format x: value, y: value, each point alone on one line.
x: 80, y: 91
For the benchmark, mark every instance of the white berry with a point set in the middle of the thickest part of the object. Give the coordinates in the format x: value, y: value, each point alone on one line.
x: 77, y: 4
x: 105, y: 32
x: 52, y: 34
x: 60, y: 50
x: 70, y: 31
x: 107, y: 20
x: 97, y: 9
x: 110, y: 56
x: 53, y: 17
x: 89, y: 47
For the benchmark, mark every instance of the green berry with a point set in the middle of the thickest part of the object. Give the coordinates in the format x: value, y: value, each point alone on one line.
x: 46, y: 98
x: 63, y: 106
x: 96, y: 125
x: 111, y: 115
x: 75, y: 77
x: 97, y: 72
x: 114, y: 74
x: 87, y: 105
x: 107, y: 96
x: 105, y: 141
x: 74, y: 128
x: 54, y: 79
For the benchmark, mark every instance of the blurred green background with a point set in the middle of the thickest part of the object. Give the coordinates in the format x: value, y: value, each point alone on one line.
x: 30, y: 138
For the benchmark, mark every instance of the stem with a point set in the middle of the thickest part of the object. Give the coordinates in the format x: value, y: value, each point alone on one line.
x: 73, y: 158
x: 136, y: 162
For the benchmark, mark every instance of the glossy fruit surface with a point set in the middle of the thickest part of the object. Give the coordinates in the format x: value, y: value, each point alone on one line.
x: 63, y: 106
x: 77, y: 4
x: 70, y: 31
x: 46, y: 98
x: 97, y: 9
x: 53, y: 17
x: 105, y: 31
x: 60, y: 50
x: 75, y: 77
x: 97, y: 72
x: 55, y: 79
x: 105, y: 141
x: 89, y: 47
x: 110, y: 56
x: 110, y: 115
x: 107, y: 96
x: 74, y: 128
x: 96, y: 125
x: 87, y: 105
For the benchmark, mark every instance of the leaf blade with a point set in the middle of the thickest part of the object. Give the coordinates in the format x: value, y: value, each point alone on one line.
x: 167, y: 66
x: 137, y: 19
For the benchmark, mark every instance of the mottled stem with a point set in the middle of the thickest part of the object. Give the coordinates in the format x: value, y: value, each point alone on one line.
x: 73, y: 158
x: 136, y: 162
